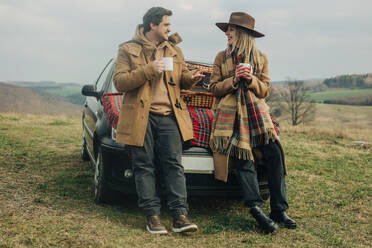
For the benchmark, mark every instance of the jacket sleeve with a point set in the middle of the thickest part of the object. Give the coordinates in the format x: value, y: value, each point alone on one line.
x: 261, y: 83
x: 186, y: 82
x: 126, y: 79
x: 218, y: 86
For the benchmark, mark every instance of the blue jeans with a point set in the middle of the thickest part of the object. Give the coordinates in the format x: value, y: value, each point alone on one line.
x: 161, y: 153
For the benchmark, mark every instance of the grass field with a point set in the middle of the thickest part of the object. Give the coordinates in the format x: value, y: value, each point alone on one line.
x: 334, y: 94
x: 344, y: 121
x: 46, y: 191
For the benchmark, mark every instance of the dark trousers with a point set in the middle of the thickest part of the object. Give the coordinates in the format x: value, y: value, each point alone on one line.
x: 161, y: 153
x: 247, y: 177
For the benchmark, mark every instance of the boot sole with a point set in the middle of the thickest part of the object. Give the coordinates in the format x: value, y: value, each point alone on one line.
x: 288, y: 226
x: 271, y: 230
x: 190, y: 228
x: 156, y: 232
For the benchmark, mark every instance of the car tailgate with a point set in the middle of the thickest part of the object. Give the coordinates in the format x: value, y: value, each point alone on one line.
x: 197, y: 160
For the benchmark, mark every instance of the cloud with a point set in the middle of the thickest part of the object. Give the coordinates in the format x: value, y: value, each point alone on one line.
x: 70, y: 40
x: 186, y: 7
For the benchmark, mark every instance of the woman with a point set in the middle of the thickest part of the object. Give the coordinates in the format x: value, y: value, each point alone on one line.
x: 242, y: 123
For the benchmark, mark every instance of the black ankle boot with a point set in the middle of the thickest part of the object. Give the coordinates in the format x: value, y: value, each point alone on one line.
x: 281, y: 217
x: 266, y: 224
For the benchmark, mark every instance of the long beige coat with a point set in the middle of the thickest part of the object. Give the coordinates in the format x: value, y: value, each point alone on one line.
x: 221, y: 86
x: 133, y: 76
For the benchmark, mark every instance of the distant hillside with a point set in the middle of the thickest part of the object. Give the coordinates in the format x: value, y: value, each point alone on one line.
x: 70, y: 91
x: 354, y: 81
x: 23, y: 100
x: 353, y: 89
x: 307, y: 81
x: 350, y: 81
x: 42, y: 84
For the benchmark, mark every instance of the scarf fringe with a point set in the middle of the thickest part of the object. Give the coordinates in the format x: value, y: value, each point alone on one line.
x: 240, y: 153
x: 272, y: 135
x: 223, y: 145
x: 220, y: 144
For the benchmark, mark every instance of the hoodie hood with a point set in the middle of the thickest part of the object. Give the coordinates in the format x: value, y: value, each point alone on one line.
x: 139, y: 36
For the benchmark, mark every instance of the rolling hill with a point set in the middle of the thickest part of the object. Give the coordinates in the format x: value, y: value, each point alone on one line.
x: 71, y: 92
x: 23, y: 100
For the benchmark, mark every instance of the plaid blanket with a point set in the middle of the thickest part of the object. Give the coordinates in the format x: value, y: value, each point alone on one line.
x: 111, y: 103
x: 201, y: 118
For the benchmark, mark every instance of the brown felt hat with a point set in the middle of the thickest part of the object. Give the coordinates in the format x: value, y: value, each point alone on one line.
x: 243, y: 20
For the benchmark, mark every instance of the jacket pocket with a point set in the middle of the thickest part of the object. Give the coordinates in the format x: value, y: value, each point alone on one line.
x: 126, y: 118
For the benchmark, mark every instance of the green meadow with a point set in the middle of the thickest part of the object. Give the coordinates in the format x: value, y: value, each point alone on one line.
x: 338, y: 93
x: 46, y: 193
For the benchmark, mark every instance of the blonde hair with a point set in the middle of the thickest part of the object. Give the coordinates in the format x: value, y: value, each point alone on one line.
x: 244, y: 45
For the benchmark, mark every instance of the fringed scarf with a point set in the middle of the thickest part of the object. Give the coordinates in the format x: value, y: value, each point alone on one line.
x: 238, y: 125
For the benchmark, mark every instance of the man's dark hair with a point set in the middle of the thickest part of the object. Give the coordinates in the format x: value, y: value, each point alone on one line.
x: 154, y: 16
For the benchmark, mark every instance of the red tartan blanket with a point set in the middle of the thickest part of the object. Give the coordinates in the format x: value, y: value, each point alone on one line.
x: 111, y: 103
x: 201, y: 118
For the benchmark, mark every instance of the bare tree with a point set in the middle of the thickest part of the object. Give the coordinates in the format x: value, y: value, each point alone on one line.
x: 296, y: 102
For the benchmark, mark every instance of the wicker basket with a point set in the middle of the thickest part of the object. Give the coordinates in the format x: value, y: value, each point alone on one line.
x: 197, y: 98
x: 191, y: 65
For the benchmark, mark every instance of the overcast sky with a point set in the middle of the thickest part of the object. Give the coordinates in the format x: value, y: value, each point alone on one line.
x: 71, y: 40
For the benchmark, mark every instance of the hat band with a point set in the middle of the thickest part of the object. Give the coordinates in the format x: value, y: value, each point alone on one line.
x: 239, y: 24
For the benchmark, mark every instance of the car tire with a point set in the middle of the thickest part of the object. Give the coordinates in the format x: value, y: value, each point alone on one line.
x: 102, y: 194
x: 84, y: 150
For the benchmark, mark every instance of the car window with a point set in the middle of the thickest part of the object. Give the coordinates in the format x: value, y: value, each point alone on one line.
x: 103, y: 76
x: 112, y: 86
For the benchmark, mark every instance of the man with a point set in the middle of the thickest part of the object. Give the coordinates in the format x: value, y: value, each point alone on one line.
x: 154, y: 120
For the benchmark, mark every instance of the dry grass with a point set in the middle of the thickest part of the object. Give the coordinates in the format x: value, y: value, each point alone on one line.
x: 337, y: 121
x: 46, y: 194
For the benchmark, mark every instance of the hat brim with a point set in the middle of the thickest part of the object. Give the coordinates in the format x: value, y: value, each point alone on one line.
x: 223, y: 26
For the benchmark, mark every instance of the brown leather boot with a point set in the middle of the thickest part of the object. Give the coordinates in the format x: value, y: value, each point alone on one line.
x: 155, y: 226
x: 182, y: 224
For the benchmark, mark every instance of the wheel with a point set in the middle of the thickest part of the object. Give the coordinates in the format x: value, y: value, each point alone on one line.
x: 102, y: 194
x: 84, y: 150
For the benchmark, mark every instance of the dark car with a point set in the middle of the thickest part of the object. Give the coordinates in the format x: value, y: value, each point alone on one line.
x: 112, y: 161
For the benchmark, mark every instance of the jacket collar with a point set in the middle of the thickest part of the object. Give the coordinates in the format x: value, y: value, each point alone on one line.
x: 150, y: 47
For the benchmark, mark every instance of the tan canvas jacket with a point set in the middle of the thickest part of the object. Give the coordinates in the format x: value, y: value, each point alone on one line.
x: 132, y: 76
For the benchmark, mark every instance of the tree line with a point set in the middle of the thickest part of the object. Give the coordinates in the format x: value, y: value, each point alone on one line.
x: 350, y: 81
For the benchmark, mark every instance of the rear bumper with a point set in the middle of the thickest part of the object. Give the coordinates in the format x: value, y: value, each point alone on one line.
x: 199, y: 170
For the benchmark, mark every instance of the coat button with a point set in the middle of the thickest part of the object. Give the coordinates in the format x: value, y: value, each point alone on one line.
x: 178, y: 105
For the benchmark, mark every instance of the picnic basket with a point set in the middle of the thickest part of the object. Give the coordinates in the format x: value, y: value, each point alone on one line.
x: 199, y: 99
x: 192, y: 65
x: 200, y: 95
